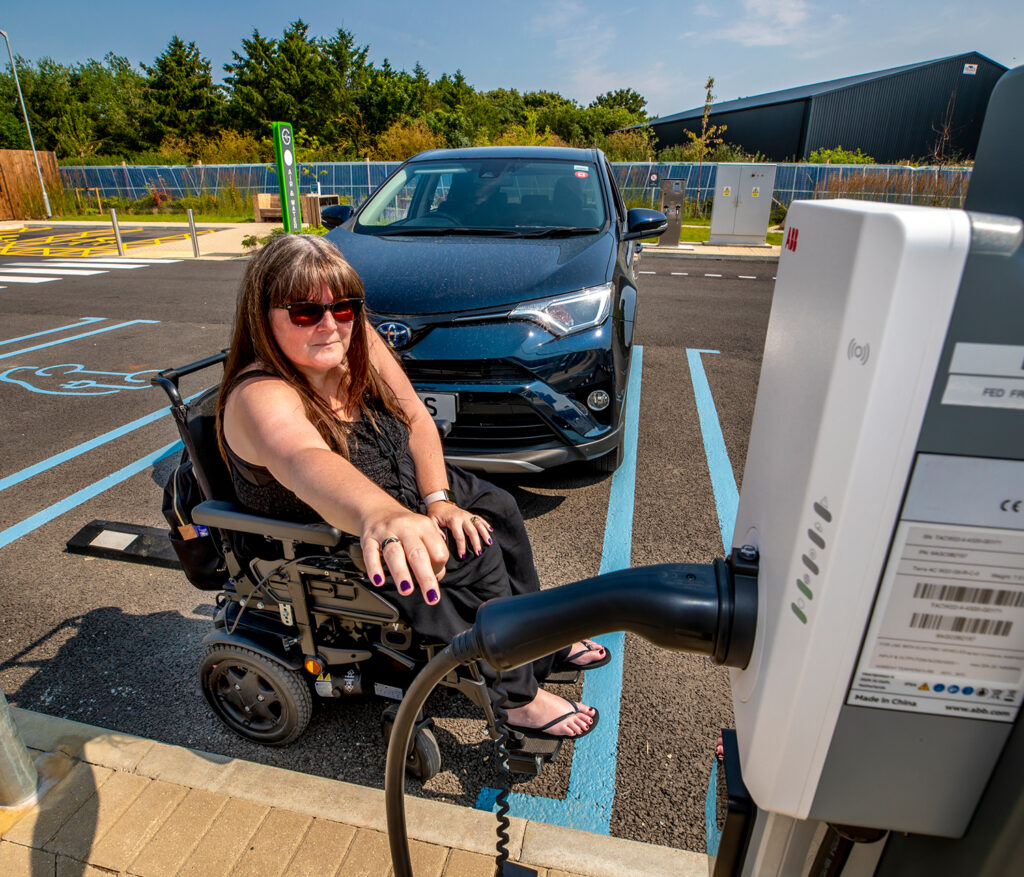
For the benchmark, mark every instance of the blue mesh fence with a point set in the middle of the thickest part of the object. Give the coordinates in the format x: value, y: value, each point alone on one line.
x: 638, y: 181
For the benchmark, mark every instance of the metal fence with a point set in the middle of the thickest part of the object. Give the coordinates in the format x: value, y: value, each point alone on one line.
x: 638, y: 181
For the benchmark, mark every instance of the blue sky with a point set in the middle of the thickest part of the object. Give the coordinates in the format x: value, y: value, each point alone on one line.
x: 665, y: 50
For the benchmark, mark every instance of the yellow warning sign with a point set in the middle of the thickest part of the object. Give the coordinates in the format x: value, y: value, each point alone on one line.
x: 755, y: 192
x: 726, y: 192
x: 923, y: 687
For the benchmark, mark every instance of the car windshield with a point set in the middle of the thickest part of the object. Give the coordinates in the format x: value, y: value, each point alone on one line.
x: 500, y: 197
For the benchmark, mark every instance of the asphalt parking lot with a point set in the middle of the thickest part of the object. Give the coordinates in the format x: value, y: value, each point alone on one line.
x: 117, y: 645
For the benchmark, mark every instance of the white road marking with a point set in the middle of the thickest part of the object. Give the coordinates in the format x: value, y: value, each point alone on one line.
x: 131, y: 259
x: 38, y: 268
x: 680, y: 273
x: 81, y: 263
x: 712, y: 275
x: 647, y: 272
x: 14, y: 278
x: 747, y: 277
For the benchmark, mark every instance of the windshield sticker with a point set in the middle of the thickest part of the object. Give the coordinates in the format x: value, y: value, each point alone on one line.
x: 582, y: 174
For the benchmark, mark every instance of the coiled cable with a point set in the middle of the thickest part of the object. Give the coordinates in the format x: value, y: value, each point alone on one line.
x: 504, y: 785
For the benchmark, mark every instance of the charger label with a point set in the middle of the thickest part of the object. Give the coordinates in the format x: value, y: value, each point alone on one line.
x: 947, y: 634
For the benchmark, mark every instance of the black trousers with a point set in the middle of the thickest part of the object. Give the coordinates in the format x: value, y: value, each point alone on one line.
x: 502, y: 569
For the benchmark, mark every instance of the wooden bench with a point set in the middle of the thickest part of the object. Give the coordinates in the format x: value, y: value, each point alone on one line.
x: 266, y: 207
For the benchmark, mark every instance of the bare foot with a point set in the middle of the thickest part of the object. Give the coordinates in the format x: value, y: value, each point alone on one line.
x: 546, y: 707
x: 719, y: 749
x: 584, y: 653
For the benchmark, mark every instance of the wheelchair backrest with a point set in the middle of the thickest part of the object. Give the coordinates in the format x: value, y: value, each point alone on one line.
x: 201, y: 421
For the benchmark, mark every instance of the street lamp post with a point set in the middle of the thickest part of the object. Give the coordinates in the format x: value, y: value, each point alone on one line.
x: 28, y: 127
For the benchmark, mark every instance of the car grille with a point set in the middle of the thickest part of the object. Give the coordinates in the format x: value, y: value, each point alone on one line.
x: 495, y: 425
x: 466, y: 371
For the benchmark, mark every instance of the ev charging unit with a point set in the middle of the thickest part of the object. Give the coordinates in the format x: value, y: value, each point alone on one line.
x: 884, y: 489
x: 872, y: 613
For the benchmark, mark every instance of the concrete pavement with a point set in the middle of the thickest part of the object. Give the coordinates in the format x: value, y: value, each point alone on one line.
x: 120, y: 804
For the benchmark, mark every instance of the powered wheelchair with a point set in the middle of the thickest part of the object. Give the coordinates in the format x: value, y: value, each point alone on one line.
x: 296, y: 620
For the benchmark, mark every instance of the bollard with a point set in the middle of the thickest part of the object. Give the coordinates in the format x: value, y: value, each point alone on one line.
x: 18, y: 775
x: 117, y: 232
x: 192, y: 232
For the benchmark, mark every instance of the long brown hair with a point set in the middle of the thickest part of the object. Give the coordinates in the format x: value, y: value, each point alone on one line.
x: 293, y: 268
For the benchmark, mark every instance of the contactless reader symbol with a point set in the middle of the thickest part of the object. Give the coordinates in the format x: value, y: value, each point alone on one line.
x: 860, y: 352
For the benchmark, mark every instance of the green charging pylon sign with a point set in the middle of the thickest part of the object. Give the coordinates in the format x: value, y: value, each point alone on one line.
x: 284, y: 151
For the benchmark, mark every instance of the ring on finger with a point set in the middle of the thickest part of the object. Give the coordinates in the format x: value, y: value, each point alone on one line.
x: 388, y: 541
x: 474, y: 519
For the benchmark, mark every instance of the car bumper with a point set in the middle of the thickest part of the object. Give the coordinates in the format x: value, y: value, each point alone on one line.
x: 536, y: 459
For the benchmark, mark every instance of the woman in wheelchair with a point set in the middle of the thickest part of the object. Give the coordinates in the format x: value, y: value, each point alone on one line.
x: 317, y: 421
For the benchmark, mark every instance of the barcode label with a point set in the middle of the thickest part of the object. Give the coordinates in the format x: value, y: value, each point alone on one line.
x: 960, y: 624
x: 960, y: 594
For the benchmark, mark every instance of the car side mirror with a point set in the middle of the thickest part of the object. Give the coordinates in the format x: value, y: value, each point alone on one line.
x: 644, y: 223
x: 335, y: 214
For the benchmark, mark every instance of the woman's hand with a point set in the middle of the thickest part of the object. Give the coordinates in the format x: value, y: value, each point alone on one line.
x: 462, y: 525
x: 413, y: 549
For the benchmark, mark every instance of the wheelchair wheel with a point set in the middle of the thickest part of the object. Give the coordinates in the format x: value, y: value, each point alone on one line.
x: 424, y: 759
x: 255, y: 696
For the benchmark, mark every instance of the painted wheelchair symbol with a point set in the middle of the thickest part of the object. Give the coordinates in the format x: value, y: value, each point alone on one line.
x: 71, y: 379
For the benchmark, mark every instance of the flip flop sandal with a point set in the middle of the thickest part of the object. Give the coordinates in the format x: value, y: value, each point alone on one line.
x: 566, y: 664
x: 541, y: 732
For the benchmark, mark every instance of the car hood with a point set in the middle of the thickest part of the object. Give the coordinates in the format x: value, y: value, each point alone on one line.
x: 435, y: 275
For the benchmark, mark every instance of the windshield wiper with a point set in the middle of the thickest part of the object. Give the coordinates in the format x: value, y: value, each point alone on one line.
x: 441, y: 231
x: 558, y: 231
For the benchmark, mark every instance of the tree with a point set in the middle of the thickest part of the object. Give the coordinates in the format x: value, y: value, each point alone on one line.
x: 183, y: 99
x: 623, y: 99
x: 710, y: 135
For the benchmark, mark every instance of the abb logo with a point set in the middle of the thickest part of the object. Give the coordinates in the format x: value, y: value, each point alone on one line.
x: 791, y: 237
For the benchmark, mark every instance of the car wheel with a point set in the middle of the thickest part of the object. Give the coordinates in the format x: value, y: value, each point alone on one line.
x: 608, y: 463
x: 256, y: 697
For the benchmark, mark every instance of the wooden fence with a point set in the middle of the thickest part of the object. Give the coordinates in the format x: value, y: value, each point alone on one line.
x: 20, y: 195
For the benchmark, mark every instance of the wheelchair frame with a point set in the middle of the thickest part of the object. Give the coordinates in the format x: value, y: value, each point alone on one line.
x: 305, y: 618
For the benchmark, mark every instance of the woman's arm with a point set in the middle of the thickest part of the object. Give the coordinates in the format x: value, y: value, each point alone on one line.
x: 427, y: 456
x: 265, y: 424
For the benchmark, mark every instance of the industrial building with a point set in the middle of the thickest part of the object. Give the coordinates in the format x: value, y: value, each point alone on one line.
x: 916, y: 111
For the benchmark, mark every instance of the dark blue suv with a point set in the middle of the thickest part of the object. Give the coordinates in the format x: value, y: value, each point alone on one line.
x: 504, y: 279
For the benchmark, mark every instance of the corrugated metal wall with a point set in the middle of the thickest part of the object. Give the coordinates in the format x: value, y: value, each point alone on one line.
x: 894, y: 118
x: 900, y: 117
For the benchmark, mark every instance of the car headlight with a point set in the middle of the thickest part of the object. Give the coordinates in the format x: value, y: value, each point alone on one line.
x: 568, y: 313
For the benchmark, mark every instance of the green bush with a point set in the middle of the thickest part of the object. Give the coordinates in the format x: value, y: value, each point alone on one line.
x: 838, y: 155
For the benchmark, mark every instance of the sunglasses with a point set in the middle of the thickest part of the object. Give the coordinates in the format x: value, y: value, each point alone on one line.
x: 310, y: 313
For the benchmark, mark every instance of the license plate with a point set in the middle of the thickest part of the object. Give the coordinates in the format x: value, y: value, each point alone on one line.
x: 440, y: 406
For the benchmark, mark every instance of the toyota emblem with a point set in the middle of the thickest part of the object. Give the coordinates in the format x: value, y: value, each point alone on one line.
x: 396, y: 334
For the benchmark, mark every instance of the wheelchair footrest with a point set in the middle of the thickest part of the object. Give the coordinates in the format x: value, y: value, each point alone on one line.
x: 528, y: 754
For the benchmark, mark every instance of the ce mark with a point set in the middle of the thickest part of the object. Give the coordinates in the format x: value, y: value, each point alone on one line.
x: 1011, y: 505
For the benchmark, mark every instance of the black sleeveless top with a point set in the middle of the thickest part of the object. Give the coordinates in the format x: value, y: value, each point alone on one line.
x: 378, y: 448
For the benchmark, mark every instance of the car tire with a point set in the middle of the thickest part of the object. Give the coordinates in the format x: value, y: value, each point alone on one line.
x: 608, y: 463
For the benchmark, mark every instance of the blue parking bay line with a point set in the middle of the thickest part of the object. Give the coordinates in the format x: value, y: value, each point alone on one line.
x: 588, y: 803
x: 86, y: 493
x: 84, y: 447
x: 727, y: 500
x: 723, y: 482
x: 84, y: 321
x: 74, y: 337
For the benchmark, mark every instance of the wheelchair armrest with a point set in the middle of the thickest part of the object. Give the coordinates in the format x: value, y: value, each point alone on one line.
x: 225, y: 516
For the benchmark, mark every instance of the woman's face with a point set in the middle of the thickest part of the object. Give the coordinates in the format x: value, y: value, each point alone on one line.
x: 316, y: 348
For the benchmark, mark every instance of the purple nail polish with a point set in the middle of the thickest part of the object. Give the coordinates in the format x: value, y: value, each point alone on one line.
x: 479, y: 553
x: 489, y: 542
x: 405, y: 587
x: 433, y: 596
x: 378, y: 579
x: 462, y: 556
